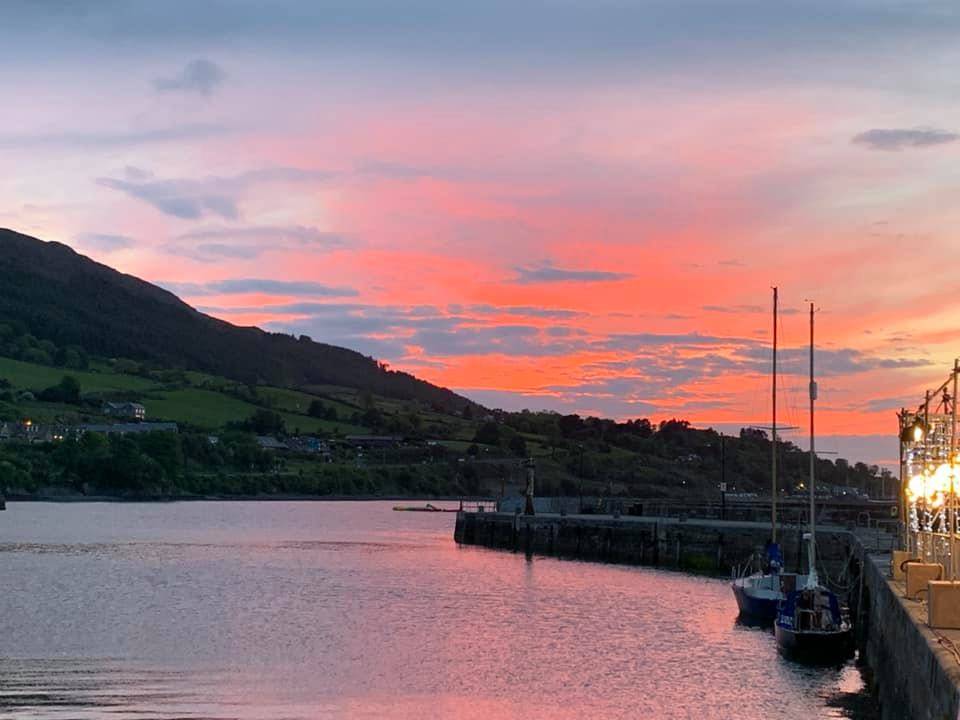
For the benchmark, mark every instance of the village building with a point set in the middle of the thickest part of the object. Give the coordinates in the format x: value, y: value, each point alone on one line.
x: 130, y: 410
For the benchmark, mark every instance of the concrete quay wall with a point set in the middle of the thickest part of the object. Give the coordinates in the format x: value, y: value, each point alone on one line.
x: 915, y: 669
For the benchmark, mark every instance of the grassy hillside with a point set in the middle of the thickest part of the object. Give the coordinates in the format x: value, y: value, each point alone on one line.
x: 210, y: 409
x: 24, y: 375
x: 57, y: 295
x: 203, y: 401
x: 445, y: 454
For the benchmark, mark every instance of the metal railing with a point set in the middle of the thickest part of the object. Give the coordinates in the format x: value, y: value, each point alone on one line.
x: 478, y: 506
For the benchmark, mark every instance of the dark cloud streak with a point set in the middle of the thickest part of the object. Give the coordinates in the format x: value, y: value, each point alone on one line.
x: 198, y: 76
x: 551, y: 274
x: 240, y: 286
x: 190, y: 199
x: 894, y: 139
x: 112, y: 138
x: 104, y: 242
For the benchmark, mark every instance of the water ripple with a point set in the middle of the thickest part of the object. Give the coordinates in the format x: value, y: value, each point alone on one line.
x: 296, y: 611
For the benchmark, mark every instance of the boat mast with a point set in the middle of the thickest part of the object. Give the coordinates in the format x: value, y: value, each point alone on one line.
x: 811, y: 551
x: 773, y: 444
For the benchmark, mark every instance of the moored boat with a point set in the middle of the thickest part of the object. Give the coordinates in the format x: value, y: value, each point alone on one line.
x: 811, y: 625
x: 759, y: 593
x: 758, y: 596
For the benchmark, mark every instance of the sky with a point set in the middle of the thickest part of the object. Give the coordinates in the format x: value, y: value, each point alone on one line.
x: 570, y: 205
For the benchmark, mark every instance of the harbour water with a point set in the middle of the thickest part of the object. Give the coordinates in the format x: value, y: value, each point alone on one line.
x: 297, y: 610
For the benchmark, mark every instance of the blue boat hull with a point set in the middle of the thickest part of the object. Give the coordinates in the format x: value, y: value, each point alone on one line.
x: 762, y: 609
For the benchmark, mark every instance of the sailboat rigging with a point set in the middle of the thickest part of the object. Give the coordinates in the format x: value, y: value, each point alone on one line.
x: 759, y: 594
x: 810, y: 622
x: 773, y: 429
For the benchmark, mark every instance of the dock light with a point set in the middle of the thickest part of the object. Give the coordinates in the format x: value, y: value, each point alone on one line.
x: 932, y: 487
x: 913, y: 432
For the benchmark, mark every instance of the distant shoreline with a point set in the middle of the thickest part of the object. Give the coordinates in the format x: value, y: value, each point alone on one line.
x: 237, y: 498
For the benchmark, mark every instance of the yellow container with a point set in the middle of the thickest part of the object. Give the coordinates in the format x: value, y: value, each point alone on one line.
x: 943, y: 604
x: 919, y: 575
x: 896, y: 571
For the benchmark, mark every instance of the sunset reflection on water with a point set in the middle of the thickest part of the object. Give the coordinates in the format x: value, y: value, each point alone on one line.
x: 350, y: 610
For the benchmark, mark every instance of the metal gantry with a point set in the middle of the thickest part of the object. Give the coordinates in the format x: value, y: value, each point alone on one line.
x: 928, y: 459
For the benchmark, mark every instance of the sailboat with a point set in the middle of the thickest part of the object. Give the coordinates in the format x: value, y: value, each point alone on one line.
x: 759, y: 593
x: 811, y: 624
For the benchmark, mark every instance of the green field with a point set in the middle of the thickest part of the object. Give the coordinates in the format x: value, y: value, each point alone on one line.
x: 28, y: 376
x: 204, y: 408
x: 204, y: 402
x: 46, y: 412
x: 306, y: 424
x: 211, y: 410
x: 210, y: 402
x: 295, y: 401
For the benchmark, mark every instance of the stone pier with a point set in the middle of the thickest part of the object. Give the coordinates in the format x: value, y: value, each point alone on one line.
x: 707, y: 546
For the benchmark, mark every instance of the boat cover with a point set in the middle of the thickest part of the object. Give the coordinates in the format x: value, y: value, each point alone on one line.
x: 774, y: 555
x: 789, y: 607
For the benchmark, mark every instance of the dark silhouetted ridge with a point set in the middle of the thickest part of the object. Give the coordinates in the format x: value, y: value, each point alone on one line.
x: 62, y: 296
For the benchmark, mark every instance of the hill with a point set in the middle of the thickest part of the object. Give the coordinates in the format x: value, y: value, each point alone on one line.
x: 222, y: 424
x: 61, y: 296
x: 264, y: 413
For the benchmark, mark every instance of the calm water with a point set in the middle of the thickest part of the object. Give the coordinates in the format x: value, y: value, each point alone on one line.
x: 350, y: 610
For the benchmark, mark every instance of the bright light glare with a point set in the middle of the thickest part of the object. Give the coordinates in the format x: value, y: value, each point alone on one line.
x: 934, y: 487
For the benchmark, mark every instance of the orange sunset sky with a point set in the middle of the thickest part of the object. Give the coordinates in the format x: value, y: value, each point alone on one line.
x: 576, y: 206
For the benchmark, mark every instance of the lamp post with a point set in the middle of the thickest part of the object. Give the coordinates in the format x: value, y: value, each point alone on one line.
x: 904, y: 519
x: 723, y: 479
x: 929, y: 547
x: 952, y: 511
x: 581, y: 478
x: 503, y: 485
x: 529, y: 464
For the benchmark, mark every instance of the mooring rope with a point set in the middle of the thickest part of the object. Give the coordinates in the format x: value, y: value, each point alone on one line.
x: 844, y: 581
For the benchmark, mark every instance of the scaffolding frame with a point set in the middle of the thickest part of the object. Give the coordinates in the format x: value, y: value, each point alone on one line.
x: 928, y: 466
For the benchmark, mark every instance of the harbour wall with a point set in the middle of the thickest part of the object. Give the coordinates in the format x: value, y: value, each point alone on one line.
x: 707, y: 546
x: 914, y: 670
